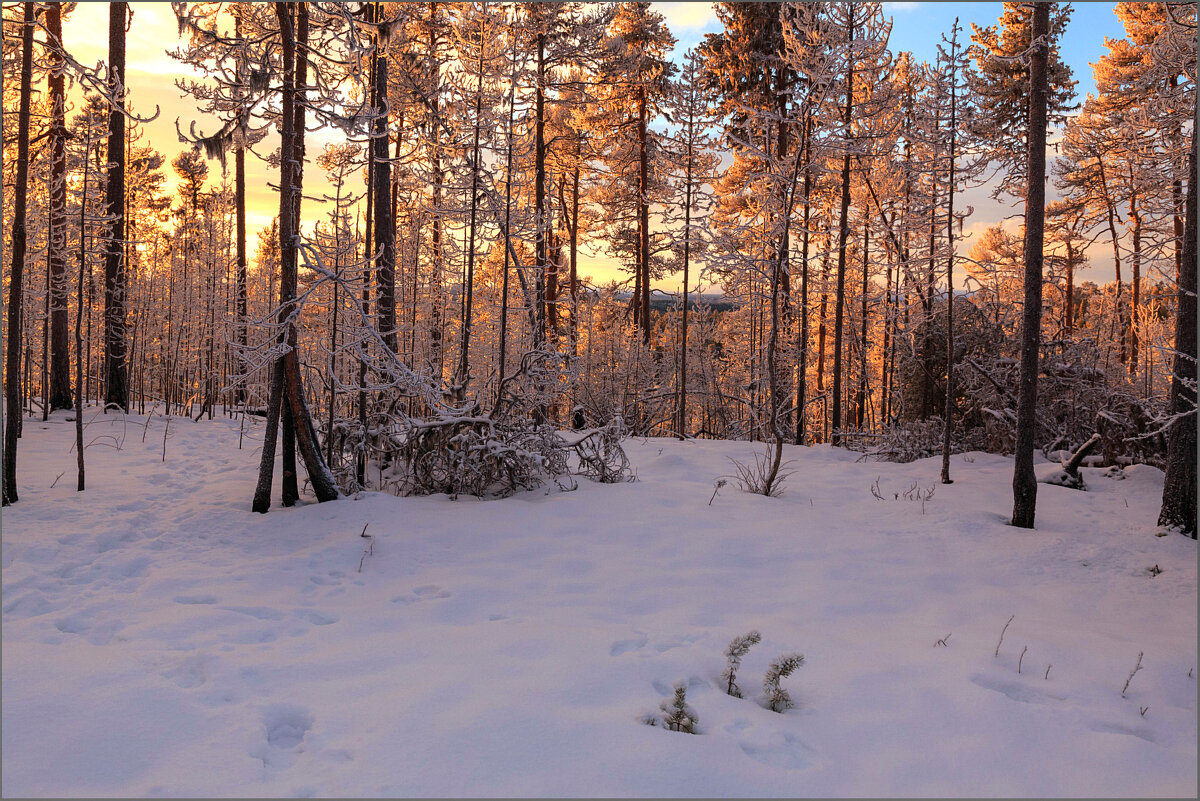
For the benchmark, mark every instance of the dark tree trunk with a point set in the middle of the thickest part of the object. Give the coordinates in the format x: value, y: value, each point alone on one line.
x: 60, y: 354
x: 463, y: 365
x: 239, y: 190
x: 860, y: 405
x: 1135, y: 262
x: 802, y: 344
x: 1024, y: 480
x: 381, y: 181
x: 115, y: 393
x: 1179, y: 484
x: 541, y: 245
x: 286, y: 389
x: 644, y: 213
x: 948, y: 411
x: 12, y: 363
x: 843, y: 236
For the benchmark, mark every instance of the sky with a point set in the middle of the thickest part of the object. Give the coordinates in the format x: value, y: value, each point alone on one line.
x: 917, y: 27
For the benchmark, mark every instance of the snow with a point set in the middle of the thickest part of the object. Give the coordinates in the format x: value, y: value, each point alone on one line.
x: 159, y: 639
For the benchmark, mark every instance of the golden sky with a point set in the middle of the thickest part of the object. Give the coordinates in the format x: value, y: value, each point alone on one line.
x: 151, y: 75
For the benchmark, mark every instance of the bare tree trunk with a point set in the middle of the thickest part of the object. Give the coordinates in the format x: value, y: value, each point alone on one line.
x: 802, y: 349
x: 1024, y: 479
x: 115, y: 392
x: 644, y: 213
x: 948, y: 411
x: 381, y: 180
x: 843, y: 236
x: 541, y: 246
x: 12, y: 365
x: 60, y: 355
x: 1179, y: 484
x: 287, y: 390
x: 463, y: 366
x: 1135, y: 261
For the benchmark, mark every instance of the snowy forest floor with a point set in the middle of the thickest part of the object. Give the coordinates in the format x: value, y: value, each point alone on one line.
x: 160, y: 639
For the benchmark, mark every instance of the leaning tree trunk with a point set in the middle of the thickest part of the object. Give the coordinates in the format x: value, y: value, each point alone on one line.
x: 12, y: 363
x: 1024, y: 480
x: 115, y: 390
x: 287, y: 392
x: 1179, y: 484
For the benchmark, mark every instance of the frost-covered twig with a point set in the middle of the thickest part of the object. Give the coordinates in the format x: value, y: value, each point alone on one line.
x: 1132, y: 673
x: 734, y: 652
x: 1010, y: 620
x: 778, y: 698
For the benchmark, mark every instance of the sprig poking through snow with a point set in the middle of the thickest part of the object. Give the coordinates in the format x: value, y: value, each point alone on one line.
x: 737, y: 649
x: 778, y: 698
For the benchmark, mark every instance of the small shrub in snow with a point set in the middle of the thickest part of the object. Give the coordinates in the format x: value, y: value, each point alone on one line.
x: 601, y: 456
x: 1132, y: 673
x: 761, y: 477
x: 734, y: 652
x: 1010, y: 620
x: 678, y: 716
x: 777, y: 697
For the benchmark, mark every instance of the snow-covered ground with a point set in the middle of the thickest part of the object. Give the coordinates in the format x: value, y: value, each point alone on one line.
x: 161, y: 639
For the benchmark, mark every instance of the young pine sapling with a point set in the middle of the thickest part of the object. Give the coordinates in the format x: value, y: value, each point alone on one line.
x: 734, y: 652
x: 678, y: 715
x: 777, y: 697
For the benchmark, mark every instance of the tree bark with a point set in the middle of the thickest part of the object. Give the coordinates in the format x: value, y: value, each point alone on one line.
x: 381, y: 181
x: 1024, y: 479
x: 60, y: 354
x: 12, y: 364
x: 644, y: 213
x: 843, y: 236
x: 1179, y: 484
x: 115, y: 392
x: 287, y: 393
x: 948, y: 411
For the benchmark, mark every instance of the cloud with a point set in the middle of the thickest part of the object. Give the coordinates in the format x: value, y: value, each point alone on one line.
x: 899, y: 6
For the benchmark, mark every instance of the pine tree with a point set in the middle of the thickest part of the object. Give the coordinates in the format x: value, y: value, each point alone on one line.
x: 12, y: 363
x: 778, y: 699
x: 678, y: 715
x: 1024, y: 480
x: 734, y: 653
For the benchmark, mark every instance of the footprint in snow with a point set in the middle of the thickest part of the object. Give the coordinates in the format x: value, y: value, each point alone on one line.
x: 286, y: 725
x: 1117, y: 728
x: 625, y: 646
x: 426, y: 592
x: 259, y: 612
x: 1015, y: 690
x: 315, y: 617
x: 781, y: 750
x: 195, y: 599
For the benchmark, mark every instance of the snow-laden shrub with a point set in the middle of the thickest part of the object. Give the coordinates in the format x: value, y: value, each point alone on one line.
x: 478, y: 456
x: 734, y: 652
x: 600, y: 454
x: 677, y: 714
x: 907, y: 441
x: 778, y: 698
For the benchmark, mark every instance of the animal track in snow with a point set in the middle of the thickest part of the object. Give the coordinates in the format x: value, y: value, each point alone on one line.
x: 315, y: 617
x: 286, y: 725
x: 782, y: 750
x: 624, y: 646
x: 1117, y: 728
x: 1016, y: 690
x: 426, y: 592
x: 195, y: 599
